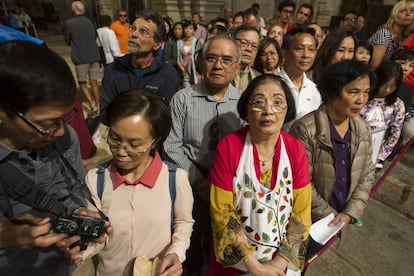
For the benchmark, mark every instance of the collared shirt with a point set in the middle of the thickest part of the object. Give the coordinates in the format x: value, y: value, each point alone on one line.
x: 148, y: 179
x: 201, y: 33
x: 48, y: 172
x: 242, y: 80
x: 307, y: 98
x: 195, y: 114
x: 141, y: 216
x: 341, y: 156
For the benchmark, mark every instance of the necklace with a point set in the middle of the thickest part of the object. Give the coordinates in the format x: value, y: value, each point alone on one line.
x: 263, y: 162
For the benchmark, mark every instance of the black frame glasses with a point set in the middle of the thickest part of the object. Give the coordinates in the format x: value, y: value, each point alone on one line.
x: 51, y: 130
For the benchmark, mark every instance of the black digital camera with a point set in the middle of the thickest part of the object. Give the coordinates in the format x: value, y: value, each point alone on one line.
x: 88, y: 228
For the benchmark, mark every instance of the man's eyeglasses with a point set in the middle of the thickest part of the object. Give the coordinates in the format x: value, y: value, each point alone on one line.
x: 226, y: 61
x: 123, y: 15
x: 351, y: 19
x: 245, y: 43
x: 142, y: 31
x: 133, y: 151
x: 51, y: 130
x: 260, y: 105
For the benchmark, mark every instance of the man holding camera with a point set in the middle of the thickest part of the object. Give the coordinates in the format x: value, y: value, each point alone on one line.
x: 40, y: 165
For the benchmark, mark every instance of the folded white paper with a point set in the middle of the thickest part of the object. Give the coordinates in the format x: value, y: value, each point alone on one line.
x: 321, y: 232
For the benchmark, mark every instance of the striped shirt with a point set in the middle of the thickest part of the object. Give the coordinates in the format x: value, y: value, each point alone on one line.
x: 199, y: 121
x: 383, y: 36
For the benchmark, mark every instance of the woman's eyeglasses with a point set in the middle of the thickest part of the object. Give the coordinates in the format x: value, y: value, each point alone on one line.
x: 133, y: 151
x: 49, y: 131
x: 261, y: 105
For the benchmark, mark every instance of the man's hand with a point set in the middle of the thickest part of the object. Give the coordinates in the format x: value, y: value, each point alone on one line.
x: 26, y: 231
x: 170, y: 265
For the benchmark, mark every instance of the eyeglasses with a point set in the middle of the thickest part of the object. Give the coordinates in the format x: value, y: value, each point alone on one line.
x: 142, y: 31
x: 123, y: 15
x: 351, y: 19
x: 226, y: 61
x: 133, y: 151
x: 260, y: 105
x: 51, y: 130
x: 245, y: 43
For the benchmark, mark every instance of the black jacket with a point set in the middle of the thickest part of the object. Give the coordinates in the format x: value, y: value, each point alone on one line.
x: 159, y: 78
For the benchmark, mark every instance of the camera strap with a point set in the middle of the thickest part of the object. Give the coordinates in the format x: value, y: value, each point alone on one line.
x: 84, y: 187
x: 21, y: 188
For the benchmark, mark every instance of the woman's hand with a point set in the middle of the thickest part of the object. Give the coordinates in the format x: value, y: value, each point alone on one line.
x: 170, y: 265
x: 26, y: 231
x: 67, y: 245
x: 275, y: 267
x: 346, y: 219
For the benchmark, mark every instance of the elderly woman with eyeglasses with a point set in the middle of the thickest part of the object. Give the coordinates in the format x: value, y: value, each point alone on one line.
x: 260, y: 192
x: 151, y: 217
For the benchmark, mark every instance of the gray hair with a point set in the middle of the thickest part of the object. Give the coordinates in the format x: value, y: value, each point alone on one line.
x: 222, y: 36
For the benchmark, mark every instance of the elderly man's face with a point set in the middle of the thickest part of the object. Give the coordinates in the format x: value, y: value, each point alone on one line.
x: 249, y: 44
x: 220, y: 65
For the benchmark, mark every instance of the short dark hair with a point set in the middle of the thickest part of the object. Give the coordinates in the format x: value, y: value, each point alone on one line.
x: 244, y: 100
x: 240, y: 13
x: 286, y: 3
x: 244, y: 28
x: 187, y: 23
x: 349, y: 12
x: 105, y: 20
x: 308, y: 6
x: 256, y: 6
x: 404, y: 53
x: 364, y: 44
x: 336, y: 76
x: 263, y: 44
x: 386, y: 72
x: 288, y: 38
x: 149, y: 15
x: 27, y: 80
x: 149, y: 105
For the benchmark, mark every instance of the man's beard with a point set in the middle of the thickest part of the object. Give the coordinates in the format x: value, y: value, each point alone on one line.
x: 133, y: 47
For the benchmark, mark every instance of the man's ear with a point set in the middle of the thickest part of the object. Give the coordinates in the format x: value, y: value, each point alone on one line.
x: 157, y: 45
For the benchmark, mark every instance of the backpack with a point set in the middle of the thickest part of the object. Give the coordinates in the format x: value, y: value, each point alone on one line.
x: 172, y: 168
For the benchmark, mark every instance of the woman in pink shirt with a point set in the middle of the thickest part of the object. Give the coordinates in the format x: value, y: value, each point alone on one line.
x: 136, y: 193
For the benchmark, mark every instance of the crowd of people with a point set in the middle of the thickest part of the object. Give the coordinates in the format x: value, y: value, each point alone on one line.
x: 228, y: 140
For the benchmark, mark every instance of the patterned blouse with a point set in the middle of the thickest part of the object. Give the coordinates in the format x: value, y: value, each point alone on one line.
x: 392, y: 118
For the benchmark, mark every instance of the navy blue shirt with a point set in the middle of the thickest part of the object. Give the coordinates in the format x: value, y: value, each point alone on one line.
x: 341, y: 155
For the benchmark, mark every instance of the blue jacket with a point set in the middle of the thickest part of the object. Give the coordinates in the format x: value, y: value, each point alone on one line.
x: 119, y: 76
